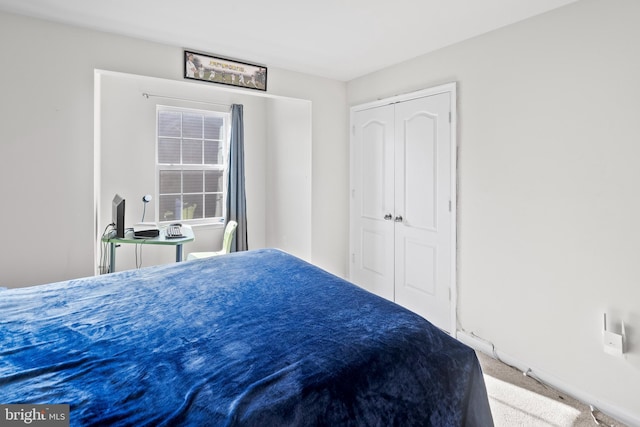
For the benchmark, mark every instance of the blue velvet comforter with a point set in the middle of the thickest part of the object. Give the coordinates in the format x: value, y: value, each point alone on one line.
x: 258, y: 338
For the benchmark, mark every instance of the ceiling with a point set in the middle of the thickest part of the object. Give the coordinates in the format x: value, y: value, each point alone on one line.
x: 338, y: 39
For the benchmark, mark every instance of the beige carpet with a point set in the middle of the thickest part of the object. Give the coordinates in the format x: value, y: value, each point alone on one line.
x: 519, y: 400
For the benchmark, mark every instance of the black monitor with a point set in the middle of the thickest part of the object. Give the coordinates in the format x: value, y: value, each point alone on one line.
x: 117, y: 215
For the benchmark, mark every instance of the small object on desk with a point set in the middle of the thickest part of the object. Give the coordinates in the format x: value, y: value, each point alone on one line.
x: 173, y: 231
x: 145, y: 230
x: 146, y: 234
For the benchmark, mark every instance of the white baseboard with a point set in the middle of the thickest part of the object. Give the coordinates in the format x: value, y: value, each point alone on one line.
x: 607, y: 408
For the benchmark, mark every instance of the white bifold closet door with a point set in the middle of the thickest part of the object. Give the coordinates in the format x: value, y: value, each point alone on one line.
x: 401, y: 192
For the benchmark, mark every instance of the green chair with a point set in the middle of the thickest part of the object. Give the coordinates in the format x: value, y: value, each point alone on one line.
x: 229, y: 232
x: 187, y: 213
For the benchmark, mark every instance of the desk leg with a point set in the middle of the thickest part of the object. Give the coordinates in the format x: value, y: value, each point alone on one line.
x: 112, y: 258
x: 178, y: 253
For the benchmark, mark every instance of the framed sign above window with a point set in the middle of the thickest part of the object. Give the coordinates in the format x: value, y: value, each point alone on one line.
x: 198, y: 66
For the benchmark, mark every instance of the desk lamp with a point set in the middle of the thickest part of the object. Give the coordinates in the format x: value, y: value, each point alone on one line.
x: 145, y: 199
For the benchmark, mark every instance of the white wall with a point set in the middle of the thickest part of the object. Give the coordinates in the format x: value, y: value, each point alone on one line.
x: 48, y: 175
x: 329, y: 164
x: 549, y: 142
x: 289, y: 176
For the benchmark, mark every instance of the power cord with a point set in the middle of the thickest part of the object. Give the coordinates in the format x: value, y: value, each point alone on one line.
x: 105, y: 258
x: 139, y: 248
x: 529, y: 373
x: 593, y: 410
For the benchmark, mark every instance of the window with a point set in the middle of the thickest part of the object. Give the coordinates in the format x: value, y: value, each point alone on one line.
x: 190, y: 164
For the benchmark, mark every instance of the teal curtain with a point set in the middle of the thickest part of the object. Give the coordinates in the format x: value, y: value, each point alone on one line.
x: 236, y: 198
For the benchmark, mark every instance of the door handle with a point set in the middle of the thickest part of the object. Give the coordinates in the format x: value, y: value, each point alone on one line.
x: 398, y: 218
x: 388, y: 217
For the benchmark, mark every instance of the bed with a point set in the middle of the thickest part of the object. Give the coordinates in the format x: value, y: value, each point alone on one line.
x: 257, y: 338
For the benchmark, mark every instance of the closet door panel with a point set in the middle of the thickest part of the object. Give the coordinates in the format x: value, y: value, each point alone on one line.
x: 377, y: 182
x: 422, y: 236
x: 372, y: 242
x: 419, y: 168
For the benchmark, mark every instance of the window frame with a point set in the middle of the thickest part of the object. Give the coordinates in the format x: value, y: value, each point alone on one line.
x: 220, y: 167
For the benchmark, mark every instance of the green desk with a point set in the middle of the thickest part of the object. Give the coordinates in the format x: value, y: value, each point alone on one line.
x: 128, y: 238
